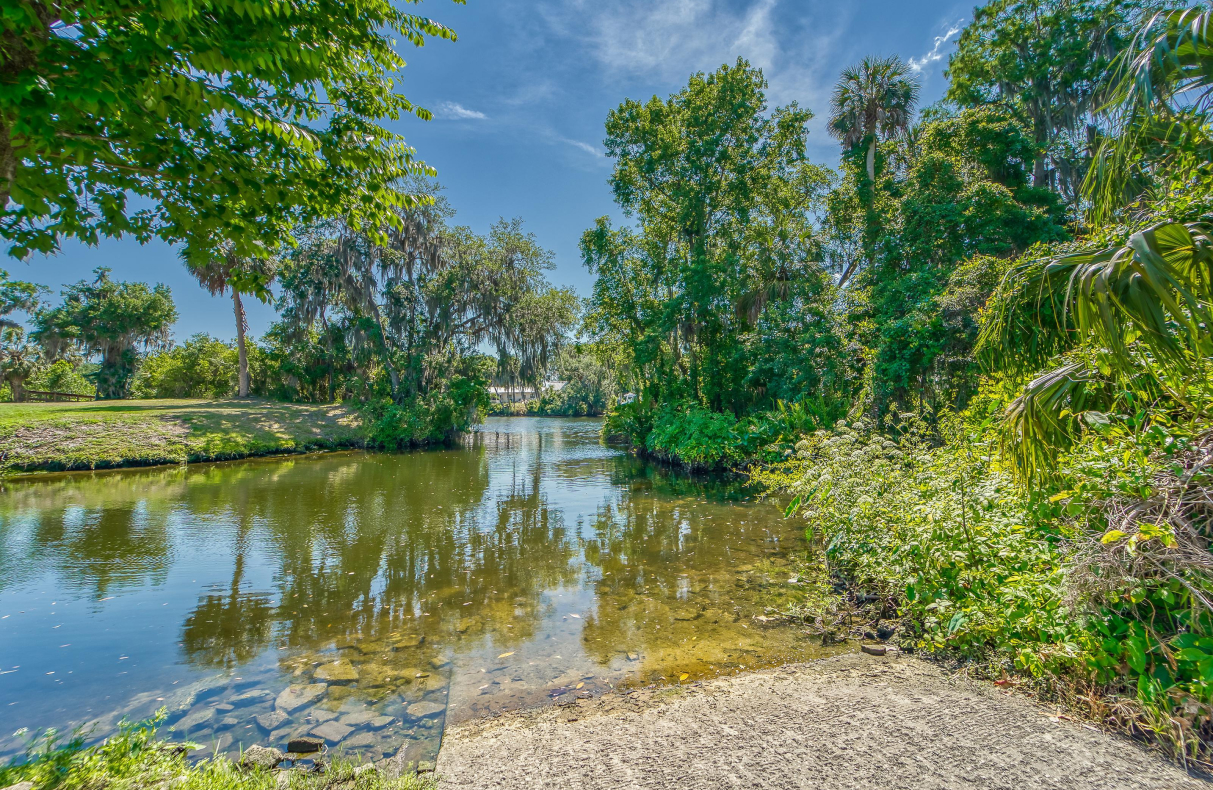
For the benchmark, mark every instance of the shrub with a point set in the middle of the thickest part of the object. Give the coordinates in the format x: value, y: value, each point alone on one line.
x: 61, y: 376
x: 692, y: 436
x: 202, y: 367
x: 1100, y: 581
x: 435, y: 418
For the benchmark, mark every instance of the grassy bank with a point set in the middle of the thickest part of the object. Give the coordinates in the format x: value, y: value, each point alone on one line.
x: 136, y: 759
x: 106, y: 434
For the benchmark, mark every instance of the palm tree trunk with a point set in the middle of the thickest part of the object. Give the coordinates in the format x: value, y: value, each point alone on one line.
x: 872, y: 162
x: 241, y: 351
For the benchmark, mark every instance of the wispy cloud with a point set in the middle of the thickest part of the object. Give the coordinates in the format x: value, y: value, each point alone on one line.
x: 667, y: 39
x: 589, y: 149
x: 936, y: 53
x: 451, y: 110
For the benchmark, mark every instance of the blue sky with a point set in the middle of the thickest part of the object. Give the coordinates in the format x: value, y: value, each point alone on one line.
x: 520, y: 99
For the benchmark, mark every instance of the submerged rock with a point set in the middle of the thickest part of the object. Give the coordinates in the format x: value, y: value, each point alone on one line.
x: 357, y: 719
x: 194, y: 718
x: 332, y: 731
x: 420, y: 710
x: 295, y: 697
x: 270, y: 721
x: 338, y: 672
x: 408, y: 642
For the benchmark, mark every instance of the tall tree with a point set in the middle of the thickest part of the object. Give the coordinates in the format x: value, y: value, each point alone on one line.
x: 722, y: 191
x: 15, y: 296
x: 1046, y: 61
x: 112, y: 320
x: 227, y: 118
x: 872, y: 100
x: 222, y: 270
x: 409, y: 311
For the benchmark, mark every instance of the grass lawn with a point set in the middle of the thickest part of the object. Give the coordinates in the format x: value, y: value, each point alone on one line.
x: 104, y: 434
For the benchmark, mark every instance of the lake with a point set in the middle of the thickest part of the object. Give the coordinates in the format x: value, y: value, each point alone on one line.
x: 370, y: 598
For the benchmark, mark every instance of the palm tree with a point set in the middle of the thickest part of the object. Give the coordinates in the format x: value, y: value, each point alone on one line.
x: 1131, y: 318
x: 874, y: 99
x: 219, y: 270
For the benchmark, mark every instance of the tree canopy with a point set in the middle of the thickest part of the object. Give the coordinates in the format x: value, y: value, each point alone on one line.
x: 112, y: 320
x: 195, y: 122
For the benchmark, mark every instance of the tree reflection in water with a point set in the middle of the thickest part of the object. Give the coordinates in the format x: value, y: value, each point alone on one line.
x: 529, y: 564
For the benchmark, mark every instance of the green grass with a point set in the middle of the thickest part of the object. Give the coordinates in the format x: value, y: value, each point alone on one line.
x: 135, y: 759
x: 107, y: 434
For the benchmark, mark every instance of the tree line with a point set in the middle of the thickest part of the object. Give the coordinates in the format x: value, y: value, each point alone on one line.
x: 975, y: 358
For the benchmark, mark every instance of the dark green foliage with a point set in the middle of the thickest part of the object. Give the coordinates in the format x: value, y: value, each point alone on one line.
x: 964, y: 194
x: 62, y: 376
x: 202, y: 367
x: 722, y: 192
x: 112, y: 320
x: 1045, y: 61
x: 103, y: 100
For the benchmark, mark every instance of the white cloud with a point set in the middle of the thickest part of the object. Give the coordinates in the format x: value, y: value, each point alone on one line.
x: 589, y: 149
x: 449, y: 109
x: 670, y: 39
x: 936, y: 53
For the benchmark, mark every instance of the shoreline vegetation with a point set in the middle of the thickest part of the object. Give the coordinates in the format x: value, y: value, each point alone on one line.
x: 137, y: 758
x: 57, y: 437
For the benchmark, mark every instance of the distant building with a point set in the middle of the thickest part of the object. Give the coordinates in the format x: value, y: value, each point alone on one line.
x: 523, y: 394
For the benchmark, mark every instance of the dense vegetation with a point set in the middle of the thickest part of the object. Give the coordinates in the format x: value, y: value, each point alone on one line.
x: 396, y: 327
x: 977, y: 361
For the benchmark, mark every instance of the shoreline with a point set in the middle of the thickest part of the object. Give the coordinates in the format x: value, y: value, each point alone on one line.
x: 849, y: 721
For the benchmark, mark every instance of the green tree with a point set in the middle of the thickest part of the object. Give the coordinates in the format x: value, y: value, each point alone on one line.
x: 722, y: 192
x: 228, y: 119
x: 401, y: 319
x: 963, y: 203
x: 19, y: 360
x: 1046, y: 61
x: 201, y: 367
x: 111, y: 320
x: 223, y: 270
x: 872, y: 100
x: 1159, y: 102
x: 17, y: 296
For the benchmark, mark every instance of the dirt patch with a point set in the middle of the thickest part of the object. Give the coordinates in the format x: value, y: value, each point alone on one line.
x: 847, y: 722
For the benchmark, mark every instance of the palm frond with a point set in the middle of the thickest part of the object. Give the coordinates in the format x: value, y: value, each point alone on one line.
x: 1155, y: 289
x: 1161, y: 91
x: 1044, y: 419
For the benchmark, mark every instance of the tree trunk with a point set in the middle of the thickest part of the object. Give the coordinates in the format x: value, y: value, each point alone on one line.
x: 17, y: 385
x: 872, y: 163
x: 8, y: 165
x: 241, y: 350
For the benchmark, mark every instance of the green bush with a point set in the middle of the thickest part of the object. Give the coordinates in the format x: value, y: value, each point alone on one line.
x: 932, y: 524
x: 692, y: 436
x: 436, y: 418
x: 202, y: 367
x: 61, y: 376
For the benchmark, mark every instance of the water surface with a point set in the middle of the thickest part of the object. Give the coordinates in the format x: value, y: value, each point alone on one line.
x: 371, y: 598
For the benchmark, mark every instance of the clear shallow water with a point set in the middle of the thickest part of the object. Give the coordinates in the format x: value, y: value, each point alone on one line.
x: 372, y: 598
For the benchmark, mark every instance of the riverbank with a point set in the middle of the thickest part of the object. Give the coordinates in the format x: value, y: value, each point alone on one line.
x: 110, y: 434
x: 852, y: 721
